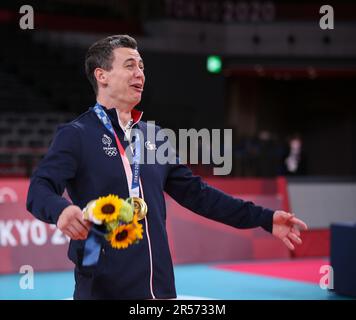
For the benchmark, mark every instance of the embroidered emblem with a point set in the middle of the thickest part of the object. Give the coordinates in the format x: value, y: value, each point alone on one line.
x: 109, y: 150
x: 150, y: 146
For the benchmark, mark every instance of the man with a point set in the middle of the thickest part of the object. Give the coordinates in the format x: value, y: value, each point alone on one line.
x: 84, y: 159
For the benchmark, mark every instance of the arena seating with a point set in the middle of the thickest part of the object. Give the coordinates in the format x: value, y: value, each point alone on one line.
x: 24, y: 139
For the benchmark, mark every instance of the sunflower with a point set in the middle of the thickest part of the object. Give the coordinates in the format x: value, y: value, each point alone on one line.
x: 107, y: 208
x: 123, y: 236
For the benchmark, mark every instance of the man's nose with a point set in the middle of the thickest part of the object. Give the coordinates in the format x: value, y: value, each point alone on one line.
x: 139, y: 73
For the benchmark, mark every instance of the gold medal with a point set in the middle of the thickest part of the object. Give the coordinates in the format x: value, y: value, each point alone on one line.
x: 140, y: 207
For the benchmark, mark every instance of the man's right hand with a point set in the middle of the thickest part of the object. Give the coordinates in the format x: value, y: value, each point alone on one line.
x: 72, y: 224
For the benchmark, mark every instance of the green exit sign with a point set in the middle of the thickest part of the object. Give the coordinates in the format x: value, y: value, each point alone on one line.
x: 214, y: 64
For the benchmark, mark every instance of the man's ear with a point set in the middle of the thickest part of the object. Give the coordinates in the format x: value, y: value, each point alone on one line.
x: 101, y: 76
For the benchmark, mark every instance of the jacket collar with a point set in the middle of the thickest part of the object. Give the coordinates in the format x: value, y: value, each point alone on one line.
x: 136, y: 115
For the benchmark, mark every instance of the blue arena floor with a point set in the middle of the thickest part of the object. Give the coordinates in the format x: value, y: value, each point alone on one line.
x: 192, y: 282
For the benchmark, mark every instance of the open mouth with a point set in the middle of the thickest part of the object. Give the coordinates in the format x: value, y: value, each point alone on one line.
x: 137, y: 86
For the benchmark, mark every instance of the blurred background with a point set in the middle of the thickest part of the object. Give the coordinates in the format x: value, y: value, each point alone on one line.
x: 265, y: 69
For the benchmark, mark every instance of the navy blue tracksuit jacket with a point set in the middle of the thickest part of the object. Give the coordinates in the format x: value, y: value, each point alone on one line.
x: 76, y: 161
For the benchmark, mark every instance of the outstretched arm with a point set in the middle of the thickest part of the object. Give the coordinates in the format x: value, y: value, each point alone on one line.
x: 44, y: 199
x: 194, y: 194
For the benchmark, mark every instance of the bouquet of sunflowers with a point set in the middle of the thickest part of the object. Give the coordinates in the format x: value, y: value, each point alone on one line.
x: 119, y: 218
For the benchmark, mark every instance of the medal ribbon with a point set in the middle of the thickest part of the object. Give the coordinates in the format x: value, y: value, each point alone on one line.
x: 132, y: 172
x: 93, y: 244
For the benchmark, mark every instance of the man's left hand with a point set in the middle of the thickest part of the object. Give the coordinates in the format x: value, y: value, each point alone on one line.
x: 286, y: 227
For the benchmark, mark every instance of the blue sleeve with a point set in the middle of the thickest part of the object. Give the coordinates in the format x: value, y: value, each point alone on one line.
x: 44, y: 198
x: 193, y: 193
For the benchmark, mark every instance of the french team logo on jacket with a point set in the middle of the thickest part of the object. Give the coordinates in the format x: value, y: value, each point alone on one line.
x: 109, y: 150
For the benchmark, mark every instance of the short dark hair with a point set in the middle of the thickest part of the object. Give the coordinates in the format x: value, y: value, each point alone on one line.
x: 100, y: 55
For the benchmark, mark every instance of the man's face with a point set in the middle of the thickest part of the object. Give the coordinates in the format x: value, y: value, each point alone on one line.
x: 126, y: 79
